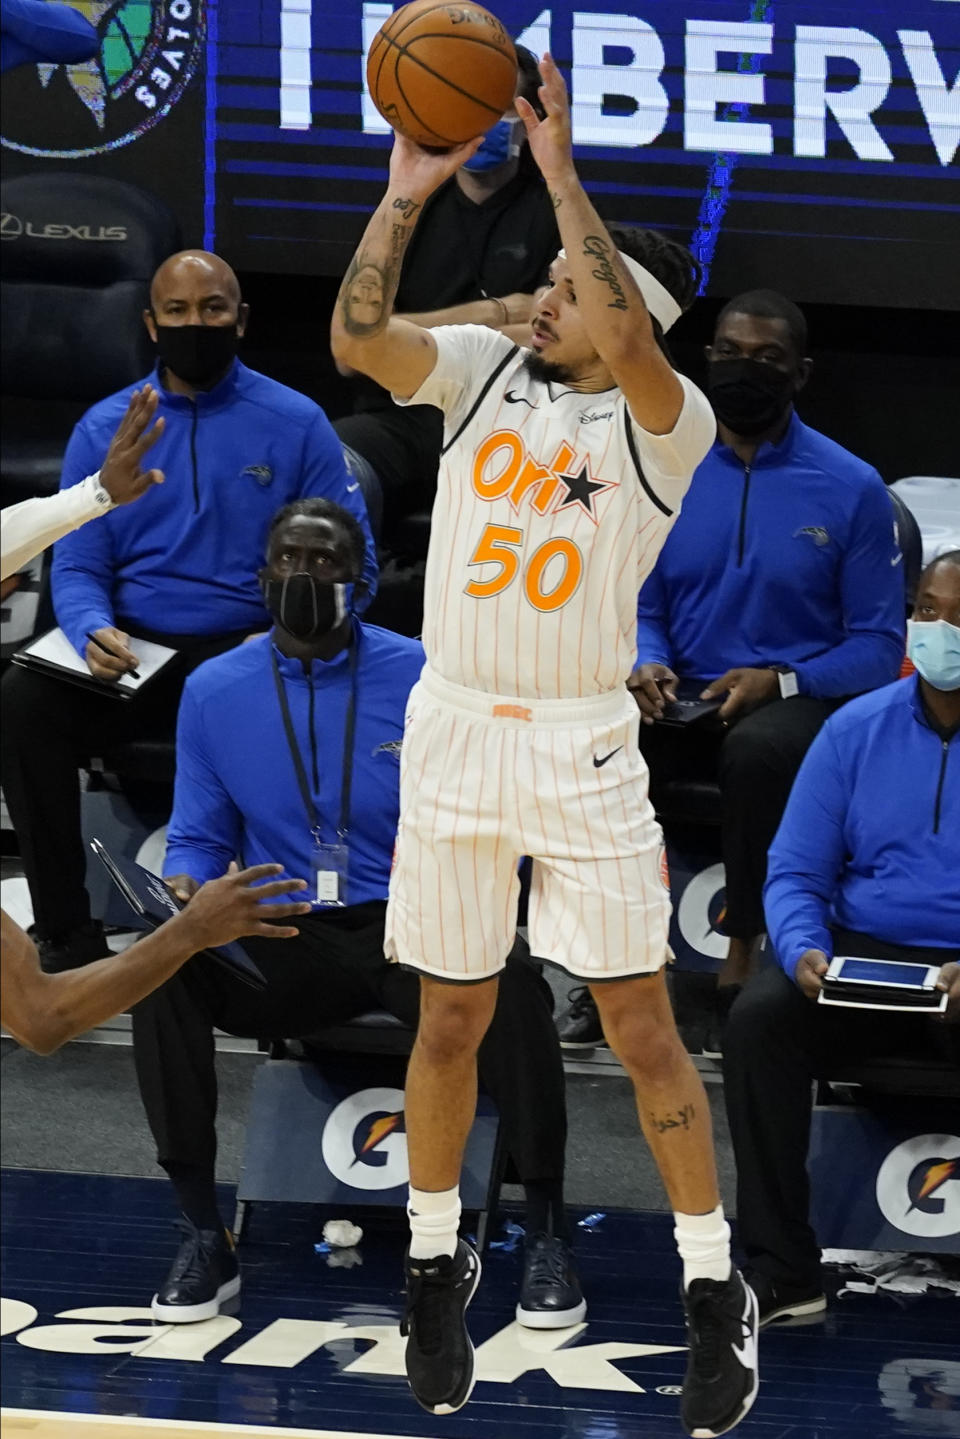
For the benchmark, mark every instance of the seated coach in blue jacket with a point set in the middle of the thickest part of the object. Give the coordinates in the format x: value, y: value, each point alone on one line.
x: 866, y: 862
x: 179, y: 567
x: 780, y: 588
x: 290, y: 745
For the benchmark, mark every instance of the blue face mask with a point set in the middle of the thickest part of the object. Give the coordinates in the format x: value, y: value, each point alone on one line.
x: 500, y: 144
x: 934, y: 647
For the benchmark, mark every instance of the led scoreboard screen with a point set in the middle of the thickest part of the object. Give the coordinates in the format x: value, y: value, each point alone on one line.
x: 803, y: 144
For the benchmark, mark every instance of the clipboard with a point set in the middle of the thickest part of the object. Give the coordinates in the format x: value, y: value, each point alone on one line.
x: 53, y: 655
x: 153, y: 903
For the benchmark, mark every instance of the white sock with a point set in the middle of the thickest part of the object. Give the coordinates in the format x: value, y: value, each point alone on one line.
x: 703, y: 1241
x: 434, y: 1218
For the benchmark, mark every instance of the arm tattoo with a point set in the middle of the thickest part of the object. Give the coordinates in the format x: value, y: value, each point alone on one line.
x: 555, y: 199
x: 362, y: 298
x: 370, y: 284
x: 680, y: 1119
x: 597, y: 248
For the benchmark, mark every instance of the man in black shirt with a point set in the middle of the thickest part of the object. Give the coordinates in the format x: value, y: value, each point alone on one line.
x: 482, y: 248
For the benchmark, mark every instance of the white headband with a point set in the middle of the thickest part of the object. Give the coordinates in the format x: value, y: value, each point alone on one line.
x: 656, y: 297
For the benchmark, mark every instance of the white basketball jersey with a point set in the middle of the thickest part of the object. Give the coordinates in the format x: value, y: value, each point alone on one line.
x: 552, y: 507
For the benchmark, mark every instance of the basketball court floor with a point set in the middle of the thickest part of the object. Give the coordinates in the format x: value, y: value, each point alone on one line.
x: 313, y: 1350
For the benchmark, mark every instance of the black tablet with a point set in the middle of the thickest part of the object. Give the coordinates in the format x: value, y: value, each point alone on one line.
x: 151, y: 901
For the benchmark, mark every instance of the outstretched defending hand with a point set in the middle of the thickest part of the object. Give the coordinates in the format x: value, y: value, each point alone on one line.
x: 120, y: 473
x: 231, y: 907
x: 550, y: 140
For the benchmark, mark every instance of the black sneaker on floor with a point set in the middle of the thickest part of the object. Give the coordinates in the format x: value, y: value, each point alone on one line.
x: 81, y: 946
x: 439, y: 1352
x: 776, y: 1300
x: 722, y: 1002
x: 550, y: 1296
x: 204, y: 1274
x: 721, y: 1381
x: 579, y: 1025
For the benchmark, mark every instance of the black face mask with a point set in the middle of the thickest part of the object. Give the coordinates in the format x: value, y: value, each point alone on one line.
x: 198, y: 354
x: 747, y: 395
x: 304, y: 606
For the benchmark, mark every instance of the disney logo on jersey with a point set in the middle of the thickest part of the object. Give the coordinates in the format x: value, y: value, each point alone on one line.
x: 503, y: 467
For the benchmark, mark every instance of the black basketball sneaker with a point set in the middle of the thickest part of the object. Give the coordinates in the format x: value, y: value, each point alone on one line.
x: 721, y: 1381
x: 439, y: 1351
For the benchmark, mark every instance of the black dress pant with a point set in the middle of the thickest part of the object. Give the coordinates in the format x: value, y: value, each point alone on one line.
x: 777, y: 1042
x: 50, y: 727
x: 755, y: 762
x: 332, y: 972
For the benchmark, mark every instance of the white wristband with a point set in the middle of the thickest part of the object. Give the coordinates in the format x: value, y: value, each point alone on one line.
x: 787, y: 681
x: 101, y: 496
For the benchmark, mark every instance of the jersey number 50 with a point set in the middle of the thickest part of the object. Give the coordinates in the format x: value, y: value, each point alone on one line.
x: 499, y: 544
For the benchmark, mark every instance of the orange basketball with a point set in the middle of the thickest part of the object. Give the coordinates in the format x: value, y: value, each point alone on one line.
x: 441, y: 73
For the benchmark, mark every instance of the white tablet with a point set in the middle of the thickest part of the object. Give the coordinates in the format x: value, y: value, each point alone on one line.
x: 896, y: 984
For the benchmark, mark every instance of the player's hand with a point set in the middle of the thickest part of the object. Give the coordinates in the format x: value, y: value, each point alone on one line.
x: 184, y: 886
x: 120, y: 473
x: 949, y: 981
x: 232, y: 906
x: 415, y: 172
x: 550, y: 140
x: 811, y: 967
x: 652, y: 686
x: 118, y: 662
x: 745, y: 689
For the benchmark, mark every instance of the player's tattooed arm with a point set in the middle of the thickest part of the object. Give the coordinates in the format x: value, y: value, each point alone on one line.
x: 370, y: 284
x: 599, y: 249
x: 407, y: 208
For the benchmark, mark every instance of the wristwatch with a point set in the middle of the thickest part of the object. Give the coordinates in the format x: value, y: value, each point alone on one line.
x: 101, y: 496
x: 787, y: 680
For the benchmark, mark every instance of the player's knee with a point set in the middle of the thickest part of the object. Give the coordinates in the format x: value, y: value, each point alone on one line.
x: 650, y: 1050
x: 641, y: 1031
x: 454, y: 1019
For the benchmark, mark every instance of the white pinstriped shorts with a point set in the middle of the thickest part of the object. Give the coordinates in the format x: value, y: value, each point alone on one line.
x: 486, y: 779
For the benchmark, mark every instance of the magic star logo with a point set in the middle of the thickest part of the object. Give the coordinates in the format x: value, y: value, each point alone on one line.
x: 149, y: 53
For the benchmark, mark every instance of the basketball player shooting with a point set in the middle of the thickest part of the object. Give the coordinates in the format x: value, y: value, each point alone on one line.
x: 564, y: 467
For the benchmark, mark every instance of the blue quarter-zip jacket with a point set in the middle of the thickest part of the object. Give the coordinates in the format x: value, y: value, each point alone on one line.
x: 870, y: 838
x: 791, y: 561
x: 236, y: 789
x: 183, y: 559
x: 35, y: 32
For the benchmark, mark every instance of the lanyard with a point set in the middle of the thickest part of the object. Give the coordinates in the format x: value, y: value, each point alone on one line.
x: 348, y: 732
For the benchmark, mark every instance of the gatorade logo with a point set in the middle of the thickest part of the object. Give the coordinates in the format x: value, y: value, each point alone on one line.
x: 918, y: 1186
x: 364, y: 1144
x: 699, y: 909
